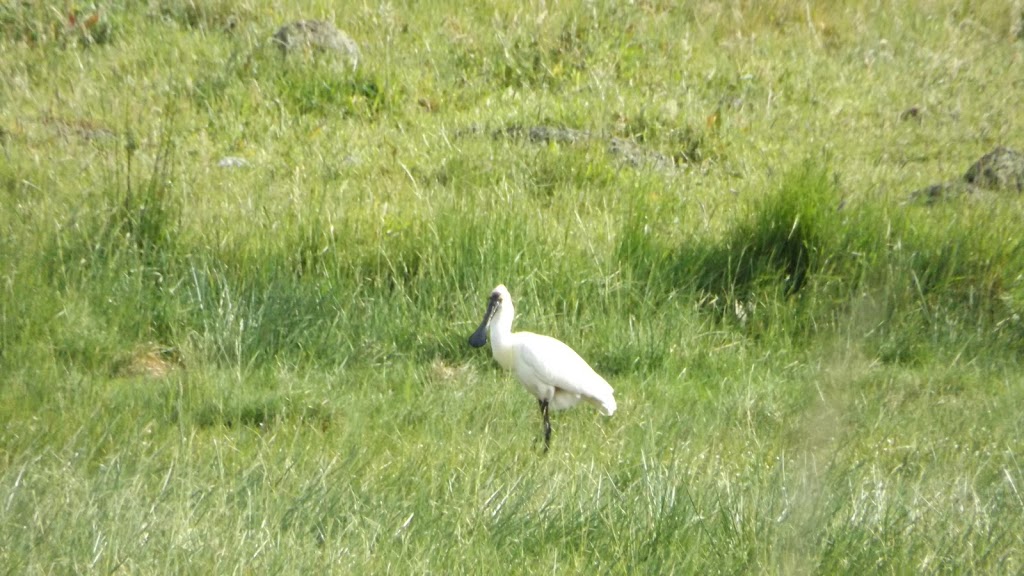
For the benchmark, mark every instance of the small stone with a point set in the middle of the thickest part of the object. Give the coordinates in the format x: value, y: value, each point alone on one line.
x: 912, y: 113
x: 232, y: 162
x: 942, y: 191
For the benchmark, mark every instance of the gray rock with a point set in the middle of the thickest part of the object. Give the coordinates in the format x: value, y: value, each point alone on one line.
x: 622, y: 149
x: 639, y: 157
x: 943, y: 191
x: 1001, y: 170
x: 307, y: 36
x: 545, y: 134
x: 232, y: 162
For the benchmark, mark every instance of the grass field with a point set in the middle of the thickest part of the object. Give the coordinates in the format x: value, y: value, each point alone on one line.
x: 260, y: 365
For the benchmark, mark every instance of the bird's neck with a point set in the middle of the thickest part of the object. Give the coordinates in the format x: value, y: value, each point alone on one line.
x: 502, y: 339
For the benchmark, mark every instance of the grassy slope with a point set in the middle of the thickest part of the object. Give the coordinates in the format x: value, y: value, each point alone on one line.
x: 802, y: 389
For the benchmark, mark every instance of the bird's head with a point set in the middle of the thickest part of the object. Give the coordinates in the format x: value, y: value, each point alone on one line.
x: 499, y: 297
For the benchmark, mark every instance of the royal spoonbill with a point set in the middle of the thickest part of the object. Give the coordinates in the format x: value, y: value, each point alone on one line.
x: 546, y: 367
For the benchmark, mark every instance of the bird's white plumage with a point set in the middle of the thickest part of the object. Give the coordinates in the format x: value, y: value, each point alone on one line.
x: 551, y: 370
x: 546, y: 367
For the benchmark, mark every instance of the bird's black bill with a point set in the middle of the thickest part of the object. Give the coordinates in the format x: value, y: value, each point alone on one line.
x: 479, y: 338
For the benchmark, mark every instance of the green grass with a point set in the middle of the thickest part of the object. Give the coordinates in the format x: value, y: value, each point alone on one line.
x: 264, y: 368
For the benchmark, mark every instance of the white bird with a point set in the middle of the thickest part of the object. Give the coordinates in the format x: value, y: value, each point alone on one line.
x: 547, y: 368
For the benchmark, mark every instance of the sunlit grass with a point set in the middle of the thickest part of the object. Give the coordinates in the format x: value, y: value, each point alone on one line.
x: 261, y: 365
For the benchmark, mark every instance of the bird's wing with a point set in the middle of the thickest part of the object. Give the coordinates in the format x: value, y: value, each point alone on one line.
x: 556, y: 364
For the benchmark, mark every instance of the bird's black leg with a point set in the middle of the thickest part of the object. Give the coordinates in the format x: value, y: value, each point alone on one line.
x: 547, y: 424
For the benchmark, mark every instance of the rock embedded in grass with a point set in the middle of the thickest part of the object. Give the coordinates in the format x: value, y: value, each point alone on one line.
x: 306, y: 36
x: 637, y: 156
x: 944, y: 191
x: 623, y: 149
x: 544, y: 134
x: 1001, y: 170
